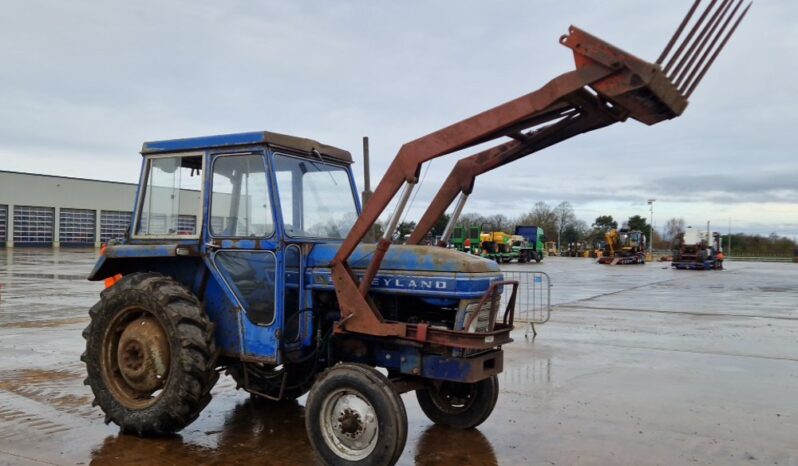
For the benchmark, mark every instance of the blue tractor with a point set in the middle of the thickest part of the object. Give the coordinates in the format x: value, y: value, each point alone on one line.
x: 249, y: 289
x: 246, y: 255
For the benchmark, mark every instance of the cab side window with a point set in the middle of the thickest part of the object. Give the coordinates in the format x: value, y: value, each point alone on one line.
x: 171, y: 200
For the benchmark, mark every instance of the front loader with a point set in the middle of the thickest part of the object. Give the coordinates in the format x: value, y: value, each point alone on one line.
x: 273, y: 285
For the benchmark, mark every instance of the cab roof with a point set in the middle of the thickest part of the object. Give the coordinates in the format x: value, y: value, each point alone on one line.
x: 275, y: 140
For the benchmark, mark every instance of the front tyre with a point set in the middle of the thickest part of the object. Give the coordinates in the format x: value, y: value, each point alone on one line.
x: 459, y: 405
x: 354, y: 416
x: 150, y: 355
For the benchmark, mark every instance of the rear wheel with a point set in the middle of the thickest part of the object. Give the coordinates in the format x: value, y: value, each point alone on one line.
x: 354, y: 416
x: 459, y: 405
x: 150, y: 355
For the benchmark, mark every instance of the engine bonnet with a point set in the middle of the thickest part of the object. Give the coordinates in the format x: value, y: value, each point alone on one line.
x: 409, y: 269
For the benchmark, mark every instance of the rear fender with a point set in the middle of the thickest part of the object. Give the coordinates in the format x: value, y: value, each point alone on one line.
x: 185, y: 264
x: 181, y: 261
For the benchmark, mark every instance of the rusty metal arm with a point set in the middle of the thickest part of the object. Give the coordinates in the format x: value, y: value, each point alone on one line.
x: 620, y: 81
x: 486, y: 126
x: 585, y: 113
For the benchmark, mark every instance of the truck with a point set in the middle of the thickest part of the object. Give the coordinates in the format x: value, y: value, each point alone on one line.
x: 532, y: 247
x: 276, y: 288
x: 692, y: 250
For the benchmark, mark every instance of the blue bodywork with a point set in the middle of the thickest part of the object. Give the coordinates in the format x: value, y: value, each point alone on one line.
x: 251, y: 322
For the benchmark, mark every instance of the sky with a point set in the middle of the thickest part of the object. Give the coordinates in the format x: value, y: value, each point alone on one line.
x: 83, y: 84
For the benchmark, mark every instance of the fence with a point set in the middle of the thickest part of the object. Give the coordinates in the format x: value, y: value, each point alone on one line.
x: 533, y: 299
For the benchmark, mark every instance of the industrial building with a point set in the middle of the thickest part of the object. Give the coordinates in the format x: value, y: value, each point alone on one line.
x: 58, y: 211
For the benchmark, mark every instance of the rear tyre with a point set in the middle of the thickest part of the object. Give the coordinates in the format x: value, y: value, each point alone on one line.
x: 150, y: 355
x: 354, y: 416
x: 459, y: 405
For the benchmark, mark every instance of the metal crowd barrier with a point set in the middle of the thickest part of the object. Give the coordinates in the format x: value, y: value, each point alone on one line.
x: 533, y: 299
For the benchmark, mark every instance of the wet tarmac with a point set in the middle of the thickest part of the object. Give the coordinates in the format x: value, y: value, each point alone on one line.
x: 640, y: 365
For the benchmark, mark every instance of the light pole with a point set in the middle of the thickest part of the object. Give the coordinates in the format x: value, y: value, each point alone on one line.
x: 651, y: 229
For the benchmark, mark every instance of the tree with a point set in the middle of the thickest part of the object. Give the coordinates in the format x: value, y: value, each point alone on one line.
x: 440, y: 225
x: 575, y: 232
x: 564, y: 214
x: 378, y: 230
x: 498, y: 222
x: 470, y: 220
x: 405, y: 228
x: 541, y: 216
x: 673, y: 227
x: 605, y: 223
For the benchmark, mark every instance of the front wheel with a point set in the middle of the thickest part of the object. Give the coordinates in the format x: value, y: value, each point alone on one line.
x: 459, y: 405
x: 354, y: 416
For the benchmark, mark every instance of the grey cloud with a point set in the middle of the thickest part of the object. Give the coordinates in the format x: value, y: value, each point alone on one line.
x: 126, y: 72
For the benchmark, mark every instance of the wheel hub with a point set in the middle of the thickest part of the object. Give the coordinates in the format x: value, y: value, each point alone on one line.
x: 350, y: 425
x: 143, y: 355
x: 453, y: 397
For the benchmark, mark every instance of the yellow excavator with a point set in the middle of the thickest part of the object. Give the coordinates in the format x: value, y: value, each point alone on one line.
x: 624, y: 247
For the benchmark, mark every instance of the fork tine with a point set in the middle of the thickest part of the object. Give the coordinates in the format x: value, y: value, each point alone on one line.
x: 718, y: 19
x: 682, y: 82
x: 699, y: 40
x: 717, y: 52
x: 678, y: 32
x: 689, y: 36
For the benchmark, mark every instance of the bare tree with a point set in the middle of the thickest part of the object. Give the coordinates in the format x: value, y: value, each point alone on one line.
x: 498, y: 222
x: 673, y: 227
x: 471, y: 219
x: 565, y: 216
x: 541, y: 216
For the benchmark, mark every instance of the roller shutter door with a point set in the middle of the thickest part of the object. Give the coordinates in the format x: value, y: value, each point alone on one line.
x: 77, y: 227
x: 113, y: 224
x: 187, y: 225
x: 3, y: 225
x: 33, y: 226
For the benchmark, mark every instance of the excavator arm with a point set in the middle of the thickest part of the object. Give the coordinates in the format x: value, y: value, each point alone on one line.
x: 607, y: 86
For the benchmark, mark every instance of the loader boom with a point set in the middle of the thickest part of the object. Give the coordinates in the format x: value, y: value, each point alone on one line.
x: 608, y: 85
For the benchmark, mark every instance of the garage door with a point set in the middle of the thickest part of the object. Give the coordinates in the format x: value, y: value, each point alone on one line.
x: 77, y: 227
x: 187, y: 225
x: 3, y: 225
x: 113, y: 224
x: 33, y: 226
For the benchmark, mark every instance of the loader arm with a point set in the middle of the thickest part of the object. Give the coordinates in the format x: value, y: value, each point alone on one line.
x: 584, y: 112
x: 607, y: 86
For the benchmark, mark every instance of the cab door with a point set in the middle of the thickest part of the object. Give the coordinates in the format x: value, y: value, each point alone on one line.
x: 243, y: 249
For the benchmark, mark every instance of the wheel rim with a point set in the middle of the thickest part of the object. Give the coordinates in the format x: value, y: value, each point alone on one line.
x: 349, y: 425
x: 136, y: 358
x: 452, y: 397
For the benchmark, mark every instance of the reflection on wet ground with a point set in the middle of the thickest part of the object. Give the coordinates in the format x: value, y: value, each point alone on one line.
x: 639, y: 365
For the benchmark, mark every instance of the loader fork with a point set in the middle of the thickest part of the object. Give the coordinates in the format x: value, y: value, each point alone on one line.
x: 608, y: 85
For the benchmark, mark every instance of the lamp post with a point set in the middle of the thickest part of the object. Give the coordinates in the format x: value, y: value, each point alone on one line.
x: 651, y: 229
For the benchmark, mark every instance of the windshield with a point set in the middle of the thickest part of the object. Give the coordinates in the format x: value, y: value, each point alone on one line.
x: 316, y: 198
